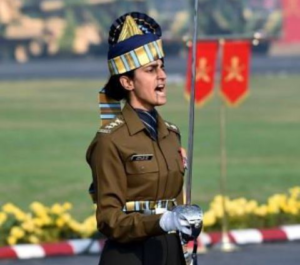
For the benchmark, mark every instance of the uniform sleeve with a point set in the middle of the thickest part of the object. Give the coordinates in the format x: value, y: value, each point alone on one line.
x: 179, y: 198
x: 111, y: 186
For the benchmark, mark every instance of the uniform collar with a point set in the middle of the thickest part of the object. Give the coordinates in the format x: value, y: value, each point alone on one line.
x: 132, y: 120
x: 161, y: 127
x: 135, y: 124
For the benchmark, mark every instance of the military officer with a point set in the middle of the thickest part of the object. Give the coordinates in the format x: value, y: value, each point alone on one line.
x: 136, y: 158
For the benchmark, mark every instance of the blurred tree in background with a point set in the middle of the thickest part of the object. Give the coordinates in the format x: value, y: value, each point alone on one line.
x: 35, y: 28
x: 239, y: 17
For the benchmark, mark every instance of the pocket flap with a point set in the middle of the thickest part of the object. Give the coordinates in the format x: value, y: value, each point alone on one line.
x: 141, y: 167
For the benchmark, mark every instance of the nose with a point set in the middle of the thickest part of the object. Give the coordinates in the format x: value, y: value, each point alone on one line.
x: 162, y: 74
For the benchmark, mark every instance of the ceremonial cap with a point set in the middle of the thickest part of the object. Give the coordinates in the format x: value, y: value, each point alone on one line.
x: 134, y: 41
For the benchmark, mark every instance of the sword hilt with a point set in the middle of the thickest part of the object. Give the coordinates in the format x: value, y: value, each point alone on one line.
x: 194, y: 216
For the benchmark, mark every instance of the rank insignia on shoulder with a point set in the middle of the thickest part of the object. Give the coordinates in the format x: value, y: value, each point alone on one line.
x: 141, y: 157
x: 172, y: 127
x: 104, y: 131
x: 108, y: 128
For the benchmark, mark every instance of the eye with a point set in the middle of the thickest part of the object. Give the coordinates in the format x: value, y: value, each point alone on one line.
x: 150, y: 69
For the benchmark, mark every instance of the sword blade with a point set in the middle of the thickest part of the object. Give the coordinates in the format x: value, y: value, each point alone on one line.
x: 192, y: 109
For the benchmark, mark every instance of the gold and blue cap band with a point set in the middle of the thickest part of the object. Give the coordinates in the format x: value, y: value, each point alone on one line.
x: 138, y: 43
x: 136, y: 58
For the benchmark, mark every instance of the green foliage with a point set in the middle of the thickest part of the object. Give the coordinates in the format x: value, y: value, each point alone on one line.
x: 66, y: 42
x: 239, y: 17
x: 70, y: 3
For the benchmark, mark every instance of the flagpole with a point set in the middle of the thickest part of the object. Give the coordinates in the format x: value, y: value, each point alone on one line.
x: 224, y: 245
x: 192, y: 109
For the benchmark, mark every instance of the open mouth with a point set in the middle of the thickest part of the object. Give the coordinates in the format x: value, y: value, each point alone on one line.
x: 160, y: 88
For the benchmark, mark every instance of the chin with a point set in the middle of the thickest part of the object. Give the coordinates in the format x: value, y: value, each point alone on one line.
x: 161, y: 103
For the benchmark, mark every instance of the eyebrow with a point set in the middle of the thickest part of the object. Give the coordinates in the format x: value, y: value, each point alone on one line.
x: 154, y: 64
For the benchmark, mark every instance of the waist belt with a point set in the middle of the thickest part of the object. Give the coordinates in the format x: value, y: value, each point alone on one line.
x: 149, y: 207
x: 157, y: 207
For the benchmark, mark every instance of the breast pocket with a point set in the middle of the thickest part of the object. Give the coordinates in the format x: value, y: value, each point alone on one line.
x: 141, y: 167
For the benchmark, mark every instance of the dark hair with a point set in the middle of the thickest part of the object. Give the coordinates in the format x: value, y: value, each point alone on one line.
x: 114, y: 89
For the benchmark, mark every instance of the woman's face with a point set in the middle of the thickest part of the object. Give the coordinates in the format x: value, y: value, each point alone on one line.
x: 148, y: 87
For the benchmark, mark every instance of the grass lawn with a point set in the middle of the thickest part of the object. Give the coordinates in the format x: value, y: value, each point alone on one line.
x: 46, y: 126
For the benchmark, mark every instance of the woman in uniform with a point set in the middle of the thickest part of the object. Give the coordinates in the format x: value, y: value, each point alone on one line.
x: 136, y: 158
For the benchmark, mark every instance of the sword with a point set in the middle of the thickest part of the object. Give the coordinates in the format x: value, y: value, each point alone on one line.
x: 192, y: 110
x: 191, y: 213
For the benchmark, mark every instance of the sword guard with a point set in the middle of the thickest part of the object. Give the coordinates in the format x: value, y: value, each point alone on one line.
x: 194, y: 216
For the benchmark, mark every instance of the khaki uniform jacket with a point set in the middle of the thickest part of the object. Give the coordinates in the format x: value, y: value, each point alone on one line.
x: 119, y: 178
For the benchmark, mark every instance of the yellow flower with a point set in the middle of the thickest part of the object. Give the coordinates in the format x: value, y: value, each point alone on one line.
x: 251, y: 206
x: 261, y: 210
x: 41, y: 214
x: 33, y: 239
x: 237, y: 211
x: 33, y: 226
x: 89, y: 226
x: 57, y: 209
x: 28, y: 226
x: 273, y: 205
x: 38, y: 222
x: 17, y: 232
x: 38, y: 232
x: 292, y: 206
x: 66, y: 217
x: 3, y: 217
x: 75, y: 226
x: 209, y: 218
x: 20, y: 215
x: 46, y: 220
x: 295, y: 192
x: 12, y: 209
x: 11, y: 240
x: 91, y: 221
x: 60, y: 222
x: 240, y: 201
x: 67, y: 206
x: 272, y: 209
x: 8, y: 207
x: 217, y: 205
x: 39, y: 209
x: 218, y: 199
x: 218, y: 211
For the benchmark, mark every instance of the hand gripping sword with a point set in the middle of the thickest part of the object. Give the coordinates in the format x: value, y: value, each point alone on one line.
x: 192, y: 213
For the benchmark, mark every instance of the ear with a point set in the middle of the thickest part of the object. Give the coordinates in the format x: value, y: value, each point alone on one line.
x: 126, y: 82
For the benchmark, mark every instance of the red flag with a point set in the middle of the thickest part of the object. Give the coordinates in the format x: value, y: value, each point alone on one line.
x: 235, y: 71
x: 205, y: 71
x: 291, y: 20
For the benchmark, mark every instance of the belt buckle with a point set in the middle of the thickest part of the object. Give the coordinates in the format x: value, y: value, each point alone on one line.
x: 160, y: 210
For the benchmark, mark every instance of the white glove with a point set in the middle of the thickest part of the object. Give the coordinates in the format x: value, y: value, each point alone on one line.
x: 169, y: 221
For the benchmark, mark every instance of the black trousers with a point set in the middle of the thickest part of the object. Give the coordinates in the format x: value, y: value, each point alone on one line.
x: 160, y: 250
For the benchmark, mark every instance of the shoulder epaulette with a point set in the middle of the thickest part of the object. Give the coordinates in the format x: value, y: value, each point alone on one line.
x: 172, y: 127
x: 112, y: 126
